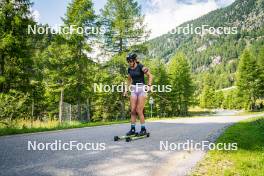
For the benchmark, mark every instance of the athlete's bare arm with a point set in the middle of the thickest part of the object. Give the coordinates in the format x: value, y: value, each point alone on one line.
x: 129, y: 80
x: 149, y: 75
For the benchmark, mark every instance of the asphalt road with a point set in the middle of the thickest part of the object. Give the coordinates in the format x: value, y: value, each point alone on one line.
x: 137, y: 158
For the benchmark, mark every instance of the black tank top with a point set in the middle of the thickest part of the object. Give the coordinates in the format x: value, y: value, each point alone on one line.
x: 137, y: 74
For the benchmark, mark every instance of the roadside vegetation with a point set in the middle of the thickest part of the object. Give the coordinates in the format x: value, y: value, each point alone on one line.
x: 247, y: 160
x: 21, y: 126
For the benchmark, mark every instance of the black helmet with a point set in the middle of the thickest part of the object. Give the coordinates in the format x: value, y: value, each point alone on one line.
x: 131, y: 56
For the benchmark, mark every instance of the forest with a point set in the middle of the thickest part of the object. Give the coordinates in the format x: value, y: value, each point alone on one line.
x: 51, y: 76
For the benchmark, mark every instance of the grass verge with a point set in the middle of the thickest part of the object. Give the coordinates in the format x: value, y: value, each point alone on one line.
x: 247, y: 160
x: 25, y: 126
x: 51, y: 126
x: 250, y: 113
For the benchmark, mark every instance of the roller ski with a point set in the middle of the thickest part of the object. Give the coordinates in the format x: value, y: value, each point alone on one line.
x: 131, y: 133
x: 142, y: 134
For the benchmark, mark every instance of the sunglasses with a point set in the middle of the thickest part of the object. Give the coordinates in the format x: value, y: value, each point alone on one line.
x: 130, y: 61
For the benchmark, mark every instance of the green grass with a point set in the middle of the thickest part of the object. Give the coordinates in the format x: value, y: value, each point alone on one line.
x: 246, y: 161
x: 50, y: 126
x: 25, y: 126
x: 249, y: 113
x: 198, y: 111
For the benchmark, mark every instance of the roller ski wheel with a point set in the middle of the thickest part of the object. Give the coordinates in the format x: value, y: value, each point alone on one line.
x: 118, y: 138
x: 148, y: 134
x: 128, y: 139
x: 132, y: 138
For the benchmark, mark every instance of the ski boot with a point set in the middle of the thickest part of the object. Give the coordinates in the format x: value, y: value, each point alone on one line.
x: 131, y: 132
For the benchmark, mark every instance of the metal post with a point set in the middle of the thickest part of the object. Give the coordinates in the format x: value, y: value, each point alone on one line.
x: 70, y: 113
x: 61, y: 105
x: 151, y: 101
x: 32, y: 114
x: 151, y: 110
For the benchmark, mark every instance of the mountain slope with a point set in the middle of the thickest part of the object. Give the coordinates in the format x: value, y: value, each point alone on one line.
x: 213, y: 53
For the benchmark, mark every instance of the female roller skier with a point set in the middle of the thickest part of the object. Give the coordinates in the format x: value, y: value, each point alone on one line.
x: 136, y: 83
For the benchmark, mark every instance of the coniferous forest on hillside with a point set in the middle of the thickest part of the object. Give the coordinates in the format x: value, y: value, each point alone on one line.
x: 51, y: 76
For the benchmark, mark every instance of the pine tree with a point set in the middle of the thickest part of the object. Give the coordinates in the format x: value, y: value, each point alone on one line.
x: 207, y: 97
x: 182, y: 85
x: 16, y: 65
x: 260, y: 82
x: 247, y: 79
x: 219, y: 98
x: 124, y: 26
x: 59, y: 73
x: 81, y: 14
x: 161, y: 79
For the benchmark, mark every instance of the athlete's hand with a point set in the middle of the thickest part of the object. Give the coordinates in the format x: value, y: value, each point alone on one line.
x: 149, y: 88
x: 125, y: 94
